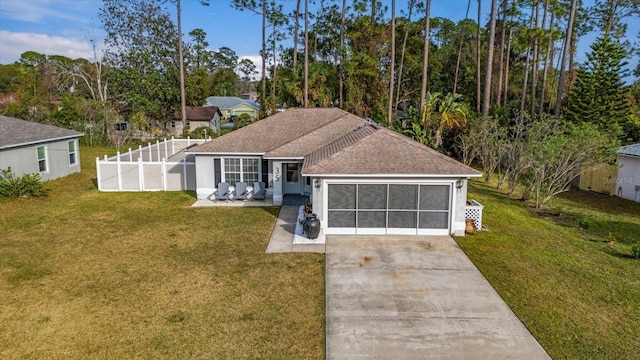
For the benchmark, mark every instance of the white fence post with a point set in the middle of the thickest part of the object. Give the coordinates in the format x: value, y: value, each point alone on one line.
x: 150, y: 153
x: 166, y: 151
x: 119, y: 171
x: 140, y: 154
x: 130, y: 155
x: 173, y: 145
x: 158, y: 148
x: 184, y: 174
x: 164, y: 174
x: 140, y: 174
x: 98, y: 173
x: 188, y: 141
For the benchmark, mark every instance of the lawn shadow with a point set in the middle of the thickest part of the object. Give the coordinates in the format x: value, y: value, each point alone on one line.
x: 597, y: 202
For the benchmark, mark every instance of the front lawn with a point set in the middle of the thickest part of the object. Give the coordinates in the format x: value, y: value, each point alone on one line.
x: 85, y: 274
x: 567, y: 272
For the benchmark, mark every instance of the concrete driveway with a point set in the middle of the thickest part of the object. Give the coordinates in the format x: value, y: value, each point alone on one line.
x: 410, y: 297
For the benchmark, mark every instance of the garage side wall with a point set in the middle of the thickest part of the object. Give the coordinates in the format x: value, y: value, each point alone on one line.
x: 628, y: 180
x: 205, y: 176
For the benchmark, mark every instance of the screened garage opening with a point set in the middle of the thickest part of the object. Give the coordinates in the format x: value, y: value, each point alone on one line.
x: 389, y: 209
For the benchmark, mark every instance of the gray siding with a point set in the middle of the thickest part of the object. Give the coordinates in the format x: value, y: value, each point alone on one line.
x: 24, y: 160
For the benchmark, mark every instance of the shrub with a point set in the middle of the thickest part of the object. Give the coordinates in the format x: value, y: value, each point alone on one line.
x: 635, y: 251
x: 584, y: 223
x: 203, y: 132
x: 13, y: 186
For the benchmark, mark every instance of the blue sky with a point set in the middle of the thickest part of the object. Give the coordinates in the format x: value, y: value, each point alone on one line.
x: 70, y: 27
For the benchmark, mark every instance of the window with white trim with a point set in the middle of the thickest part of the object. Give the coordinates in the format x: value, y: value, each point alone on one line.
x: 42, y: 159
x: 73, y: 153
x: 241, y: 169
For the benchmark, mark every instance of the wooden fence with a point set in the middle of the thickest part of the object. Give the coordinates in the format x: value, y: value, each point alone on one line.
x: 600, y: 178
x: 162, y: 166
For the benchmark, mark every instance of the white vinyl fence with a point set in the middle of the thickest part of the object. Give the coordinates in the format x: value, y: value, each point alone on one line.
x: 162, y: 166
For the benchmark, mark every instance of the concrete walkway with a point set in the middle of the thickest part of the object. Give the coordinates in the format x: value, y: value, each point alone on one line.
x: 282, y: 236
x: 413, y: 297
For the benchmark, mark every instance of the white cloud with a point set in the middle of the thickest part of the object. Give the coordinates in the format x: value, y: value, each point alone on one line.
x: 257, y: 61
x: 13, y: 44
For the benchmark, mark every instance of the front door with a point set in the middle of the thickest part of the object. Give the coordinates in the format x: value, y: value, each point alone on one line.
x: 292, y: 180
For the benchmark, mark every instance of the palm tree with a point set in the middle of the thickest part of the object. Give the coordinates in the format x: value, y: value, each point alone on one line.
x: 452, y: 114
x: 430, y: 104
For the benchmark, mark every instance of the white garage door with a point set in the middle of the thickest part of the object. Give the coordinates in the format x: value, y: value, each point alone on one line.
x: 389, y: 209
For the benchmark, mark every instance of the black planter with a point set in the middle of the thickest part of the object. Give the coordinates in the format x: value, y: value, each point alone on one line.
x: 311, y: 226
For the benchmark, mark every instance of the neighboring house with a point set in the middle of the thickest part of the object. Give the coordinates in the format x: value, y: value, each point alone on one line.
x: 628, y: 178
x: 197, y: 116
x: 362, y: 179
x: 251, y: 95
x: 232, y: 107
x: 29, y: 147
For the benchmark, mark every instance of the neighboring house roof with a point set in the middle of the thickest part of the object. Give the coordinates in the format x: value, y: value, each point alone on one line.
x: 230, y: 102
x: 17, y: 133
x: 199, y: 113
x: 334, y: 142
x: 630, y: 150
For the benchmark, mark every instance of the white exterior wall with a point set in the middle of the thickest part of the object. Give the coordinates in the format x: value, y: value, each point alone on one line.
x: 205, y: 176
x: 24, y: 160
x: 628, y: 179
x: 460, y: 202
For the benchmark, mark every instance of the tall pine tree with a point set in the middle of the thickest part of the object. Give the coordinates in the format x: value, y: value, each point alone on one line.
x: 599, y: 95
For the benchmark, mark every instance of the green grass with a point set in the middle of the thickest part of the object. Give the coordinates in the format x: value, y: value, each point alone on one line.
x: 85, y: 274
x: 577, y: 291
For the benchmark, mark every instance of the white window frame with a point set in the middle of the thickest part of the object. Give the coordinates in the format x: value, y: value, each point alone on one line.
x: 45, y: 159
x: 74, y: 153
x: 223, y: 162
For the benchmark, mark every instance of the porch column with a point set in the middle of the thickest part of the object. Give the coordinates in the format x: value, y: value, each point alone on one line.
x: 277, y: 182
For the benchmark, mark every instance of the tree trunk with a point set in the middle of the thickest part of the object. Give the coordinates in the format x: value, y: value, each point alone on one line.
x: 565, y: 54
x: 183, y: 99
x: 455, y: 79
x: 342, y: 20
x: 534, y: 68
x: 487, y: 80
x: 404, y: 48
x: 523, y: 97
x: 548, y: 60
x: 274, y: 75
x: 506, y: 68
x: 502, y: 54
x: 295, y: 41
x: 425, y: 58
x: 264, y: 51
x: 478, y: 81
x: 305, y: 102
x: 393, y: 62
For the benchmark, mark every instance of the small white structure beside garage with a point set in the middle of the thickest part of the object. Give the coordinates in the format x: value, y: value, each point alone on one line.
x: 32, y: 148
x: 628, y: 177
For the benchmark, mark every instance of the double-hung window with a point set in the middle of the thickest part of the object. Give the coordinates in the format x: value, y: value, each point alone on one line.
x: 42, y: 159
x: 73, y: 153
x: 241, y: 169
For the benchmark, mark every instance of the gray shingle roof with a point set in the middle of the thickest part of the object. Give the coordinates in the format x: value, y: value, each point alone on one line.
x: 16, y: 133
x: 377, y: 151
x: 229, y: 102
x: 198, y: 113
x: 335, y: 142
x: 281, y: 131
x: 631, y: 150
